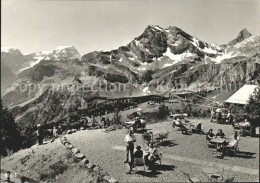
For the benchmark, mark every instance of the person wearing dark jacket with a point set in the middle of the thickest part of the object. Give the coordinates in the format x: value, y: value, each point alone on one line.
x: 210, y: 134
x: 137, y: 154
x: 220, y: 134
x: 40, y: 136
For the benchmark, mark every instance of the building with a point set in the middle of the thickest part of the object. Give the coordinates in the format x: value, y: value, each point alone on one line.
x: 241, y: 97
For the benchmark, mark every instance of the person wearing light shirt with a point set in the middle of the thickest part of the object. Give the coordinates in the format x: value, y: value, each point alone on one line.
x: 247, y: 124
x: 152, y: 156
x: 129, y: 139
x: 230, y: 144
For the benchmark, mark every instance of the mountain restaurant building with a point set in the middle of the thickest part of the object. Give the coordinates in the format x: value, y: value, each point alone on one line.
x: 241, y: 97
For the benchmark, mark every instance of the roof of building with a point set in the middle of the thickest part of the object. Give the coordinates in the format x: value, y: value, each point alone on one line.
x: 242, y: 95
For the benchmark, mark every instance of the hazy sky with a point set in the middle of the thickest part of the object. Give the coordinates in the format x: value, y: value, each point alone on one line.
x: 107, y: 24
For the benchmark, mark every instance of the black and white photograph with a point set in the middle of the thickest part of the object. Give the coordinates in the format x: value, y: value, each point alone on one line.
x: 116, y: 91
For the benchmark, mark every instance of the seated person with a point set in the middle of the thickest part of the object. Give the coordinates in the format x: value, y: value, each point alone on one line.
x: 184, y: 130
x: 152, y: 156
x: 137, y: 154
x: 210, y: 134
x: 228, y: 145
x: 178, y: 122
x: 220, y: 134
x: 247, y: 124
x: 245, y: 127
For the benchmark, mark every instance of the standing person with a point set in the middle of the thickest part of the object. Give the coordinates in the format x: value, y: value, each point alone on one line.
x: 54, y: 133
x: 129, y: 139
x: 213, y: 114
x: 104, y: 122
x: 230, y: 118
x: 108, y: 121
x: 59, y: 130
x: 39, y: 134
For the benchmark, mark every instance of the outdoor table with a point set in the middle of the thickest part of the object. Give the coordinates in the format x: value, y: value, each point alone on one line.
x: 219, y: 141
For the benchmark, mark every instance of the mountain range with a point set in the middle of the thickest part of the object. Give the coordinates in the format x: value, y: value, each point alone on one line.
x: 168, y: 56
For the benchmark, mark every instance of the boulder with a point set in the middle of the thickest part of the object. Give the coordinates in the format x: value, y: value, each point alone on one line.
x: 102, y: 174
x: 75, y: 150
x: 70, y: 146
x: 113, y: 180
x: 106, y: 178
x: 84, y: 161
x: 80, y: 156
x: 97, y: 169
x: 91, y: 165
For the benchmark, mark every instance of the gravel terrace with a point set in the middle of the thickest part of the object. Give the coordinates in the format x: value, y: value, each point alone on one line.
x: 98, y: 145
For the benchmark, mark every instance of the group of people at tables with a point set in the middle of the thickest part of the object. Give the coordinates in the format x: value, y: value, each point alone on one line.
x: 220, y: 117
x: 150, y: 155
x: 226, y: 145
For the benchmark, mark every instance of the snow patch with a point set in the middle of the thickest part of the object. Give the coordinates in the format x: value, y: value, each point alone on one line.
x: 172, y: 56
x: 38, y: 59
x: 222, y: 57
x: 146, y: 90
x: 168, y: 65
x: 60, y: 48
x: 195, y: 42
x: 141, y: 69
x: 209, y: 50
x: 158, y: 28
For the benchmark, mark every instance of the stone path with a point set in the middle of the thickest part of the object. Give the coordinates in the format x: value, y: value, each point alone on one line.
x: 202, y: 162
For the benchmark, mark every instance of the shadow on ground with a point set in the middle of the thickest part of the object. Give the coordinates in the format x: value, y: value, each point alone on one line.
x: 169, y: 143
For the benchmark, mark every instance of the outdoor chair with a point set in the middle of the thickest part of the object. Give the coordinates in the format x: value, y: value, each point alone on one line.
x: 233, y: 148
x: 139, y: 162
x: 192, y: 180
x: 209, y: 144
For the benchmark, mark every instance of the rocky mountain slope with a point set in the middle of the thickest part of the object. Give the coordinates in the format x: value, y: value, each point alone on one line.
x: 164, y: 57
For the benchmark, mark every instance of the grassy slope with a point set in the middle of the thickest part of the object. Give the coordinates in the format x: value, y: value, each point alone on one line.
x: 36, y: 161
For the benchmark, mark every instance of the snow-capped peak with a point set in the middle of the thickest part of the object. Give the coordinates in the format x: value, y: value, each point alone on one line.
x: 66, y: 52
x: 60, y: 48
x: 43, y: 53
x: 157, y: 28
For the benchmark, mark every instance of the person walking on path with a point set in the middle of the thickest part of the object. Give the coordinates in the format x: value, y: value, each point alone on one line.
x: 39, y: 134
x: 129, y: 139
x: 54, y: 133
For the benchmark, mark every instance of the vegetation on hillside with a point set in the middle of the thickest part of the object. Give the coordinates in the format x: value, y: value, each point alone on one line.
x: 253, y: 107
x: 10, y: 135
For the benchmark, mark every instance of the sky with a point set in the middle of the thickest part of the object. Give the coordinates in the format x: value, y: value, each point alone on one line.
x: 42, y: 25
